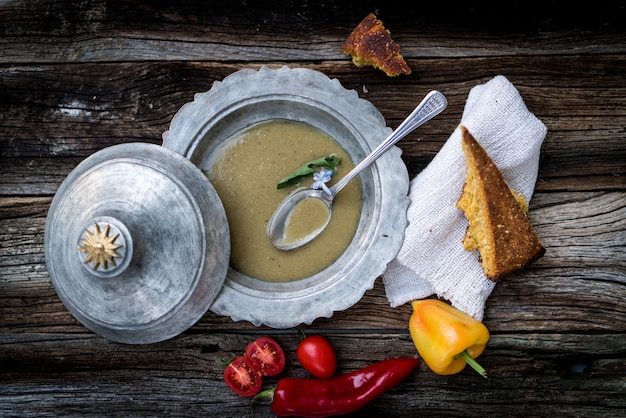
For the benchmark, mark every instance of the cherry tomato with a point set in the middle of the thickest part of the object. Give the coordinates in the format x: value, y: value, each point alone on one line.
x: 243, y: 377
x: 266, y: 355
x: 317, y: 356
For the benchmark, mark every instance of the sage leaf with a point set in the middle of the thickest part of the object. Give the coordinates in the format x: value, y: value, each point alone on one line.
x: 331, y: 162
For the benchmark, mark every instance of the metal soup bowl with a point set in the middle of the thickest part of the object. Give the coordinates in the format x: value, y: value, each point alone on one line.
x: 248, y: 97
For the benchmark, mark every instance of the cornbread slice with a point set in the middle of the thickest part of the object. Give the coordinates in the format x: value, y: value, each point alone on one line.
x: 498, y: 227
x: 371, y: 44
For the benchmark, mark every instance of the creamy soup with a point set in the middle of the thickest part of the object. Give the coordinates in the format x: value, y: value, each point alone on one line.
x: 308, y: 216
x: 245, y: 172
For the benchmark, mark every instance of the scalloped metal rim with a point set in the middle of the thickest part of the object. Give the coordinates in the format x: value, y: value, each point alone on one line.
x: 309, y: 96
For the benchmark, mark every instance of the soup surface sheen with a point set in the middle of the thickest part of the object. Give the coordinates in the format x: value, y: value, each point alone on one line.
x: 245, y: 172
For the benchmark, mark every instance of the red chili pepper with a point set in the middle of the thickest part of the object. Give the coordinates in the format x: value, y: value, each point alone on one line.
x: 342, y: 394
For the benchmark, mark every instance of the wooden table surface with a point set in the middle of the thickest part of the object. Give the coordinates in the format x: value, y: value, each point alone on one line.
x: 80, y: 76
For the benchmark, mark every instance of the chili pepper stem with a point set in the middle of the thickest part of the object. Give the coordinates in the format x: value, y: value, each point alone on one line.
x: 266, y: 394
x: 472, y: 363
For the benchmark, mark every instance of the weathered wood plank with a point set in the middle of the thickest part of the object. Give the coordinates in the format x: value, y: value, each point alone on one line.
x: 572, y: 288
x: 101, y: 104
x: 565, y: 374
x: 52, y: 116
x: 101, y: 31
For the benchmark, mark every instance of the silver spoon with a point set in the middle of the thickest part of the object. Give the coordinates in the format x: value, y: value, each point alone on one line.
x: 433, y: 104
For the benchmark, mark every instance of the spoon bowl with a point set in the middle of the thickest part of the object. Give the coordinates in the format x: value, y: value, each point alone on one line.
x: 279, y: 226
x: 280, y: 234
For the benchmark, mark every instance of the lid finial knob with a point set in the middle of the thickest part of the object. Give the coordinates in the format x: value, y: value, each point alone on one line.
x: 100, y: 247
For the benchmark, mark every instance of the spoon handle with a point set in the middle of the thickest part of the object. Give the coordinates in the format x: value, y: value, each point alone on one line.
x: 433, y: 104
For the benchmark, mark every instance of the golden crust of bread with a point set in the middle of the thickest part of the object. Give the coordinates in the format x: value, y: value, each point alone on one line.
x: 371, y: 44
x: 498, y: 227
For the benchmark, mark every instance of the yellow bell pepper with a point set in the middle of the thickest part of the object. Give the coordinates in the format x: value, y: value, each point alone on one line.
x: 446, y: 337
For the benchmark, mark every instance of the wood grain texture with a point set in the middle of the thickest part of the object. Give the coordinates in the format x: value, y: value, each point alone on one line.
x: 62, y: 118
x: 77, y: 76
x: 574, y: 274
x: 548, y: 371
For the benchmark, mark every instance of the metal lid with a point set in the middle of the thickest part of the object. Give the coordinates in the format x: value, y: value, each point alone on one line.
x: 137, y: 243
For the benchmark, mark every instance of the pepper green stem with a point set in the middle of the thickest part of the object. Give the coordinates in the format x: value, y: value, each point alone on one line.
x: 266, y: 394
x: 472, y: 363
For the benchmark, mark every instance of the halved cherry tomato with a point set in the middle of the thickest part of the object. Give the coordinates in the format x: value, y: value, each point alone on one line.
x: 266, y: 355
x: 317, y: 356
x: 243, y: 377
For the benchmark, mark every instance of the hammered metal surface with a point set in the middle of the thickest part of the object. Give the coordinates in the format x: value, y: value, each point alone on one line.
x: 248, y: 97
x: 175, y: 237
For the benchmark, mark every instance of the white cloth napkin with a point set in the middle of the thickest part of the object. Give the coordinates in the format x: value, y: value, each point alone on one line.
x: 432, y: 259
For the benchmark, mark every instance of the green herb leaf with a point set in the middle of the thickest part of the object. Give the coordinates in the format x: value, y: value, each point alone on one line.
x: 331, y: 162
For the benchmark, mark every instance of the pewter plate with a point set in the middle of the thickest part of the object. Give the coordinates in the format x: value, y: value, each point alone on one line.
x: 248, y: 97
